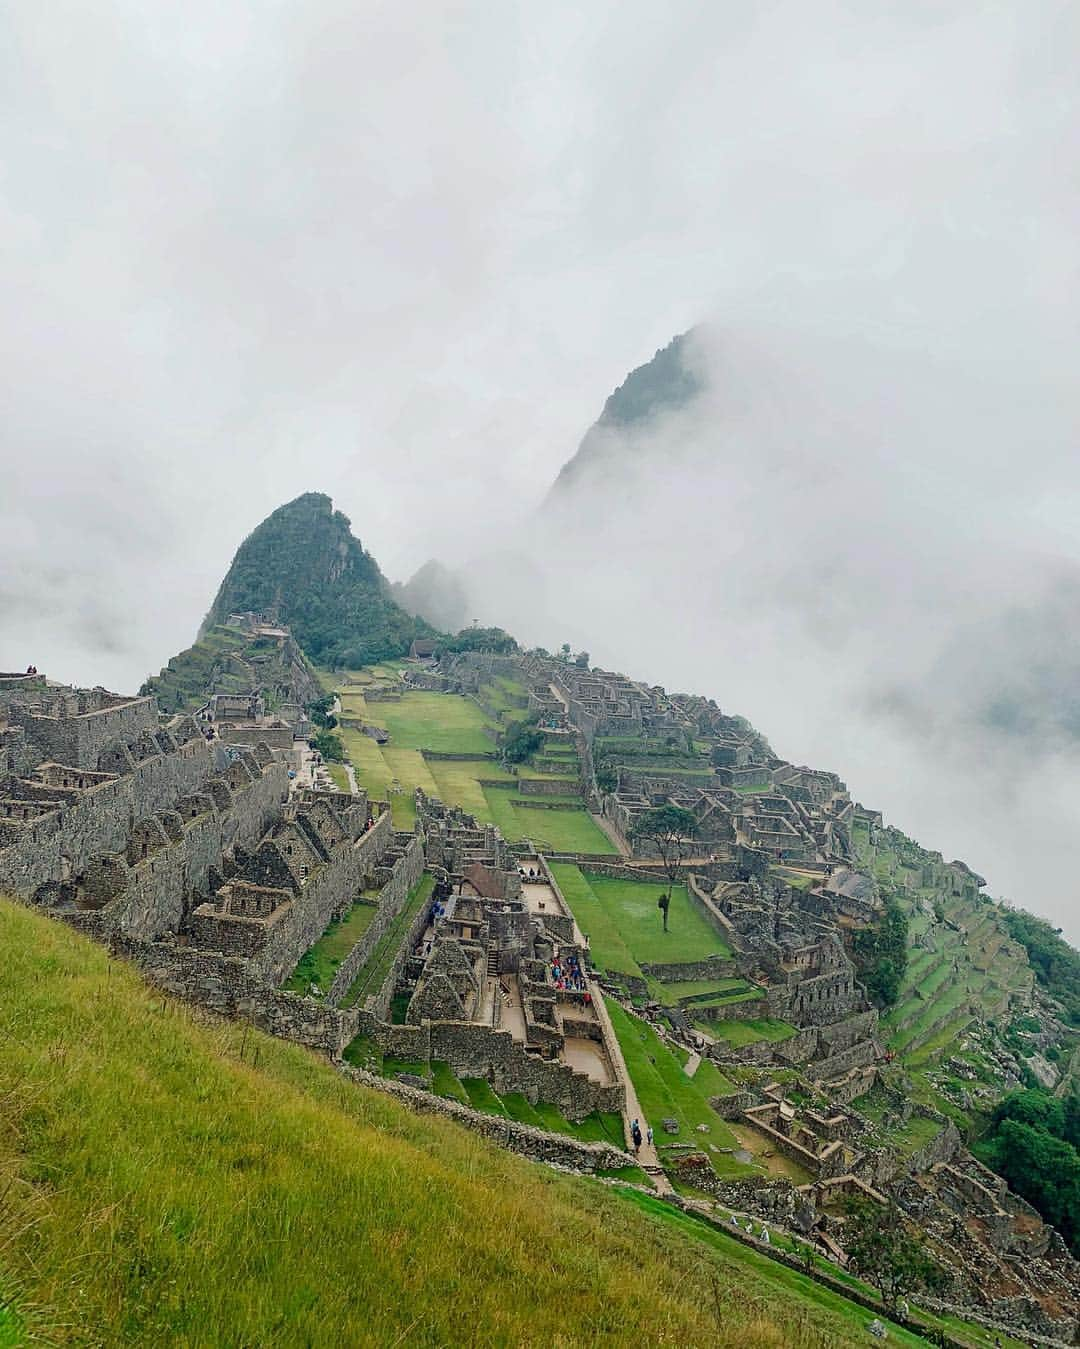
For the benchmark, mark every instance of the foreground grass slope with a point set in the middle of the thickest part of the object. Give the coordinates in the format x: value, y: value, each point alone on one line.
x: 170, y: 1180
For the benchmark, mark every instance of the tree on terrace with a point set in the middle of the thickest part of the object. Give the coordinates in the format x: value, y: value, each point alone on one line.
x: 882, y: 1250
x: 671, y: 830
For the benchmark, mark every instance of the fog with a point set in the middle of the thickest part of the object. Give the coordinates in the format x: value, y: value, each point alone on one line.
x: 402, y: 254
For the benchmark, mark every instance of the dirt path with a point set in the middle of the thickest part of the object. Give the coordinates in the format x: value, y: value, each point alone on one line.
x: 647, y: 1156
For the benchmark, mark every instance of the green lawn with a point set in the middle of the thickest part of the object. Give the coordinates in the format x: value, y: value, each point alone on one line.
x: 447, y: 723
x: 444, y: 722
x: 625, y: 927
x: 747, y: 1032
x: 339, y: 777
x: 664, y: 1090
x: 319, y: 964
x: 371, y: 975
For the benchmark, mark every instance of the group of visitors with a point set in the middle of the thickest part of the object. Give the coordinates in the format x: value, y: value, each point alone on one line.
x: 638, y: 1137
x: 567, y: 974
x: 531, y: 875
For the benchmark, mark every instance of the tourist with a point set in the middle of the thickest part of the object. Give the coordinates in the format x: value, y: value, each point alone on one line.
x: 635, y: 1134
x: 649, y: 1134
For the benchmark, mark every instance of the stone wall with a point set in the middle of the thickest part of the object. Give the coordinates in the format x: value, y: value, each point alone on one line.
x: 405, y: 873
x: 413, y: 867
x: 479, y: 1051
x: 556, y: 1149
x: 100, y: 819
x: 836, y: 1065
x: 232, y: 987
x: 548, y: 787
x: 712, y: 967
x: 80, y: 740
x: 328, y: 890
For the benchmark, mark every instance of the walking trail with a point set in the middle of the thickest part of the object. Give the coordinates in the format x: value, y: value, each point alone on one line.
x: 648, y: 1158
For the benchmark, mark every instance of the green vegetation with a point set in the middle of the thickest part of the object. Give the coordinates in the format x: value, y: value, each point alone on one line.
x: 446, y: 723
x: 664, y: 1091
x: 961, y: 966
x: 319, y: 710
x: 624, y: 925
x: 480, y: 1095
x: 880, y: 955
x: 495, y: 640
x: 372, y: 974
x: 747, y: 1032
x: 1034, y: 1142
x: 226, y: 660
x: 882, y: 1249
x: 664, y: 382
x: 522, y: 740
x: 338, y: 776
x: 319, y: 965
x: 788, y: 1286
x: 303, y: 565
x: 174, y: 1179
x: 1056, y: 963
x: 329, y: 746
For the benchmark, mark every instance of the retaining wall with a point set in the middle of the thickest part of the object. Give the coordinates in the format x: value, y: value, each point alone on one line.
x: 538, y: 1146
x: 406, y: 872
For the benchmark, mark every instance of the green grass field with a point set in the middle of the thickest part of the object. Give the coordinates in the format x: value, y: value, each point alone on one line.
x: 625, y: 927
x: 748, y: 1032
x: 450, y: 724
x: 319, y: 964
x: 175, y: 1179
x: 664, y: 1091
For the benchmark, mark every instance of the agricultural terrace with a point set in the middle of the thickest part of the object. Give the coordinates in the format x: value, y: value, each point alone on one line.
x: 959, y: 964
x: 421, y: 724
x: 319, y: 965
x: 373, y: 973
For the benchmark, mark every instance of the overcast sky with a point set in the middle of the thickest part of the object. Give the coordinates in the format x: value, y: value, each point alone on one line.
x: 402, y: 253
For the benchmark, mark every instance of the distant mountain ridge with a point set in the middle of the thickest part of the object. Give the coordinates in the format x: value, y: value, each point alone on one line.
x: 303, y: 567
x: 666, y: 383
x: 434, y: 593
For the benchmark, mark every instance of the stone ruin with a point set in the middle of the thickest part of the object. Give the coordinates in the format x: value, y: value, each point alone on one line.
x: 191, y: 856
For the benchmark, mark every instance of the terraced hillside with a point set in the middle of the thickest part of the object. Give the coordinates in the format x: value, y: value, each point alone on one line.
x: 170, y: 1179
x: 226, y: 660
x: 447, y: 745
x: 963, y: 970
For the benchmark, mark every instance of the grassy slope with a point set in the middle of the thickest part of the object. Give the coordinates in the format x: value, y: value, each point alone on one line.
x: 161, y: 1189
x: 664, y: 1091
x: 450, y: 724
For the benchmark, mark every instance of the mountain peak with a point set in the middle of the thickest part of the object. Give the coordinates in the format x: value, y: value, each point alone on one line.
x: 669, y: 381
x: 304, y: 567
